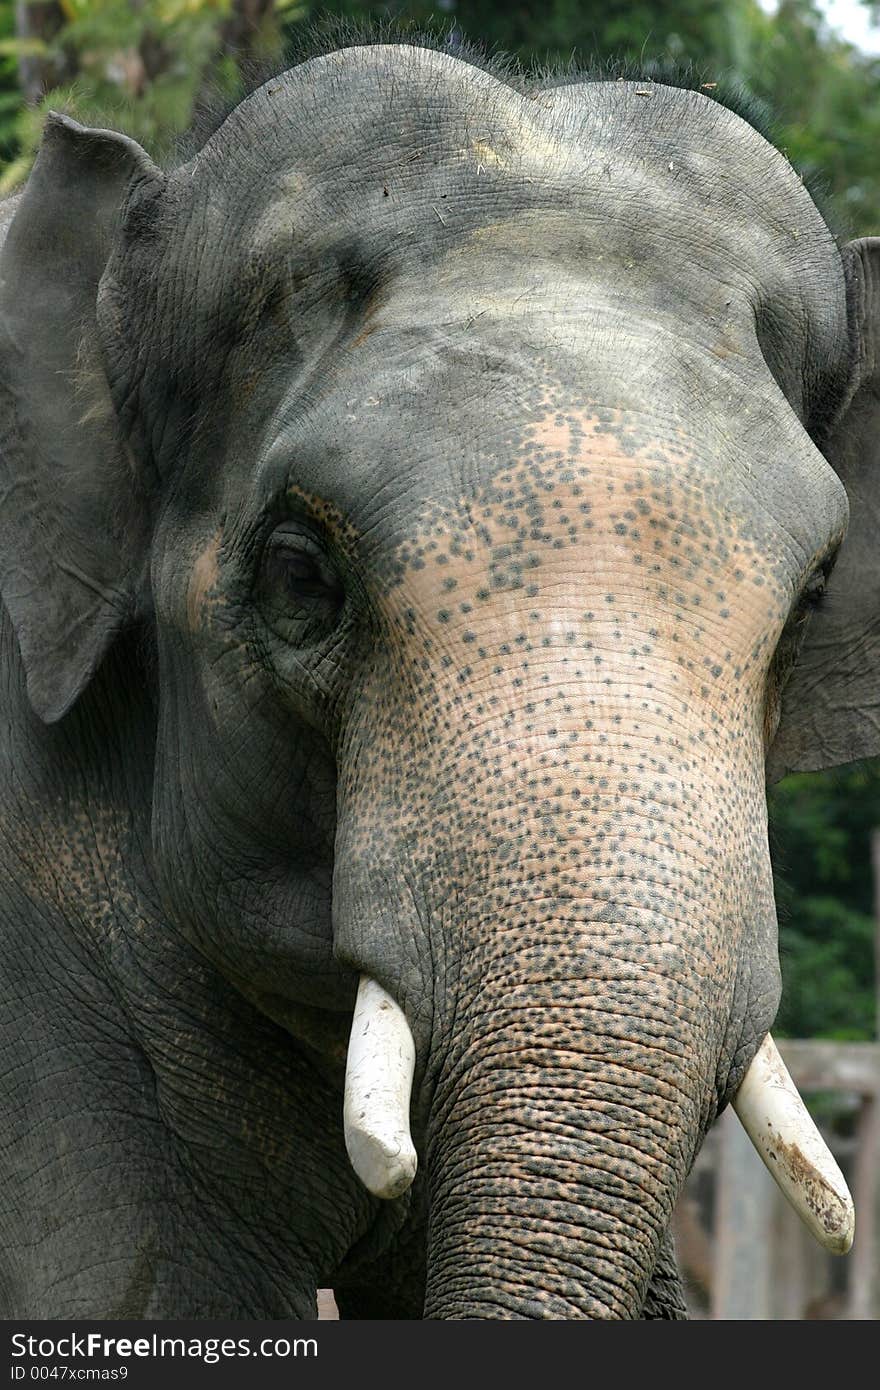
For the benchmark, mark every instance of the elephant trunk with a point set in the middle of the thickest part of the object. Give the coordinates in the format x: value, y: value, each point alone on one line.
x: 561, y: 1135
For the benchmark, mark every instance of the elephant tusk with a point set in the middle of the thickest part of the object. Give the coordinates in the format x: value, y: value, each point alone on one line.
x: 378, y: 1081
x: 780, y: 1127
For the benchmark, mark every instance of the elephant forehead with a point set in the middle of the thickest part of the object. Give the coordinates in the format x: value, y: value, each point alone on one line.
x: 383, y: 163
x: 382, y: 120
x: 599, y: 524
x: 463, y: 434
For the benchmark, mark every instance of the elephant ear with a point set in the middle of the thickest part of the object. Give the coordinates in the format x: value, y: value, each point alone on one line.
x: 73, y: 541
x: 831, y: 704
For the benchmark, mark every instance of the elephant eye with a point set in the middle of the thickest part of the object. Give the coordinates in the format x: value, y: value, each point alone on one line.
x: 298, y: 575
x: 301, y: 588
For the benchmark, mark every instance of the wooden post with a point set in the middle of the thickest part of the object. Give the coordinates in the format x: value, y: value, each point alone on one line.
x: 743, y: 1215
x: 793, y: 1264
x: 863, y: 1302
x: 864, y: 1283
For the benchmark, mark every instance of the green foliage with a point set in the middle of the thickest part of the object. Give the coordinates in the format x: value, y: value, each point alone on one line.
x: 551, y: 32
x: 820, y: 838
x: 10, y: 96
x: 825, y: 95
x: 140, y: 65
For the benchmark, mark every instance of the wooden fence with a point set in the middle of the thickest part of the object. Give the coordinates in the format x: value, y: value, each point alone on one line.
x: 745, y: 1254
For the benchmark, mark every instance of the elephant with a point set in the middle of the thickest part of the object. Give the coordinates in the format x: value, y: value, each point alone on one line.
x: 431, y: 512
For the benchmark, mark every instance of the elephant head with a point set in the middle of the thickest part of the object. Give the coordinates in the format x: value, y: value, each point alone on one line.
x: 477, y: 460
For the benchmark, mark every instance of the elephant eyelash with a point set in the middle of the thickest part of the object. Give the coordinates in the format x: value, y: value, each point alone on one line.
x: 814, y: 593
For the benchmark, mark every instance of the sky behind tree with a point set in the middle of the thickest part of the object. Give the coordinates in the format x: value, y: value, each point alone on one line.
x: 849, y: 18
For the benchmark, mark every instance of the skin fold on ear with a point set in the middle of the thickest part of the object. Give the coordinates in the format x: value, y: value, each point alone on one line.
x: 831, y: 704
x: 72, y: 516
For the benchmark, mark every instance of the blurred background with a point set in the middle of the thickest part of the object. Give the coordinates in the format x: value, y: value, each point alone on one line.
x: 144, y: 66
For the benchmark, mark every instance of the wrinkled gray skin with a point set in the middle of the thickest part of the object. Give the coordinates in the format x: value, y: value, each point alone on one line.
x: 410, y: 512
